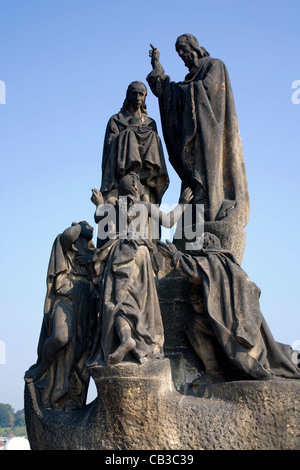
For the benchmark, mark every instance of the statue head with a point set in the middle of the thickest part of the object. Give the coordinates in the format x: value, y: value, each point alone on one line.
x: 135, y: 97
x: 86, y: 230
x: 189, y: 49
x: 130, y: 185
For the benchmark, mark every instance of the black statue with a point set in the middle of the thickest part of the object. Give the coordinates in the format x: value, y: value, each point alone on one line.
x: 60, y: 374
x: 130, y: 319
x: 202, y: 134
x: 229, y: 331
x: 132, y: 144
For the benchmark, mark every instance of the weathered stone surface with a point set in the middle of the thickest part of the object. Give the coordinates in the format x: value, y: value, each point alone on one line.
x: 186, y: 366
x: 155, y: 406
x: 231, y: 236
x: 131, y: 143
x: 152, y: 392
x: 138, y: 409
x: 201, y: 133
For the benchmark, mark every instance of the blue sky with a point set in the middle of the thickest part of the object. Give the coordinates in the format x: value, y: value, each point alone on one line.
x: 66, y: 65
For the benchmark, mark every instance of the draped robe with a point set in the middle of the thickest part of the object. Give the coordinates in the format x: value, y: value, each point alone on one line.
x: 64, y: 385
x: 202, y: 136
x: 132, y: 144
x: 126, y: 268
x: 232, y: 307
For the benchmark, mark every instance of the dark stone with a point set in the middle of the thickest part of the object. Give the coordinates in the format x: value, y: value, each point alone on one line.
x: 129, y: 323
x: 137, y: 408
x: 223, y: 320
x: 232, y: 237
x: 60, y: 375
x: 158, y: 405
x: 202, y: 136
x: 176, y: 344
x: 132, y: 143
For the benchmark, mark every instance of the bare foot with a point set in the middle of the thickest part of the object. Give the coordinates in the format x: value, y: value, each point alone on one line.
x: 121, y: 352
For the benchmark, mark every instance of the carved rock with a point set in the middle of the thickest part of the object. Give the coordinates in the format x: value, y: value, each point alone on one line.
x: 137, y: 408
x: 154, y: 406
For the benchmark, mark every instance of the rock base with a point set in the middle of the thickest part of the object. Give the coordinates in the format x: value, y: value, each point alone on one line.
x: 155, y: 406
x: 138, y: 408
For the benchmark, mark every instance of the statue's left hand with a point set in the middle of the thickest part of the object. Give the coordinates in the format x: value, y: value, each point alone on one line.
x: 167, y: 249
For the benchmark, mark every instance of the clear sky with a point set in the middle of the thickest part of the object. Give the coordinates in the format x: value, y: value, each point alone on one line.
x: 66, y: 65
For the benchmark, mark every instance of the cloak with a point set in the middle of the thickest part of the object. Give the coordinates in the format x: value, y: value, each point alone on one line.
x: 64, y: 385
x: 131, y: 144
x: 202, y: 136
x: 128, y: 289
x: 232, y: 306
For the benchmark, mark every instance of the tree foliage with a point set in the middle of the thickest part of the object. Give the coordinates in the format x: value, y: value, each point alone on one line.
x: 6, y: 412
x: 9, y: 418
x: 19, y: 418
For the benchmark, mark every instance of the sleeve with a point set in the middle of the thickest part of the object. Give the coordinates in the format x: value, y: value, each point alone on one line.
x: 112, y: 130
x: 166, y: 220
x: 192, y: 267
x: 69, y: 236
x: 156, y: 79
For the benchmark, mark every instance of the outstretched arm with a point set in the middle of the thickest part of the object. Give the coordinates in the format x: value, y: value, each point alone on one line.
x: 104, y: 209
x: 170, y: 219
x: 194, y: 268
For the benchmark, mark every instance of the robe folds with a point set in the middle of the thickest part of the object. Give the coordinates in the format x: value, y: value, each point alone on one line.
x: 64, y: 385
x: 232, y: 307
x: 132, y: 144
x: 128, y: 289
x: 202, y: 136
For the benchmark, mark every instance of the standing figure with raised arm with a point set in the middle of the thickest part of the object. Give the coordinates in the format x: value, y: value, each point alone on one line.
x: 202, y: 136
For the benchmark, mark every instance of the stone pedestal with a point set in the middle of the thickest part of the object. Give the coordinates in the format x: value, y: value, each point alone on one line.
x: 137, y: 408
x: 131, y: 412
x: 131, y: 406
x: 232, y: 236
x: 154, y: 406
x: 174, y: 297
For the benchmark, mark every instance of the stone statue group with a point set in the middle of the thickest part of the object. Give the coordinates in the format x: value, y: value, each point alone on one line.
x: 102, y: 305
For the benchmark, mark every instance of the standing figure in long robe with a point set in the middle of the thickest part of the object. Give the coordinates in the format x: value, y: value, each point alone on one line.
x: 202, y: 136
